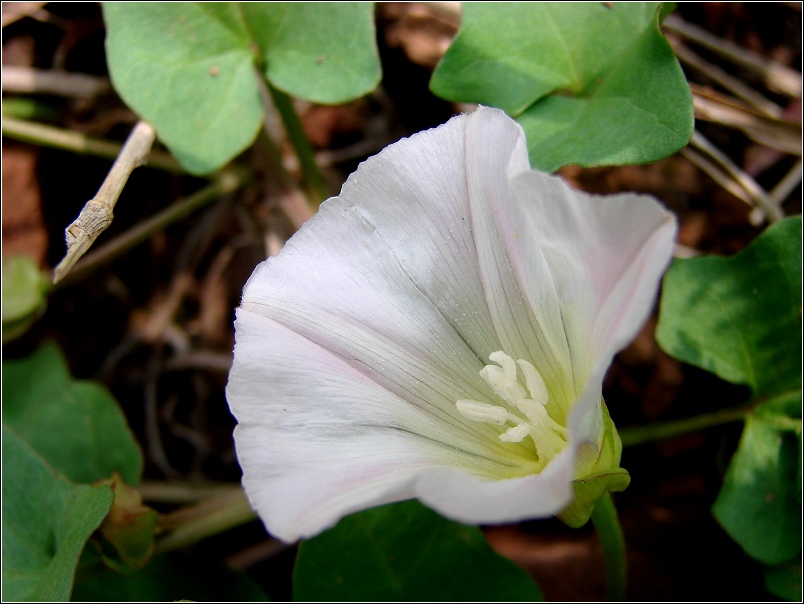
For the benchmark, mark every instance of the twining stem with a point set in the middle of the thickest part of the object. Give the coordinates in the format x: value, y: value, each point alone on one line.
x: 316, y: 184
x: 643, y: 434
x: 210, y: 517
x: 226, y: 181
x: 96, y: 215
x: 607, y: 525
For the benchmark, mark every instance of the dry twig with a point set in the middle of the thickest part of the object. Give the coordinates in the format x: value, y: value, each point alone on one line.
x: 97, y: 214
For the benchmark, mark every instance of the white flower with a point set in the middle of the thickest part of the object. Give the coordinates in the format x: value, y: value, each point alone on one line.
x: 441, y: 330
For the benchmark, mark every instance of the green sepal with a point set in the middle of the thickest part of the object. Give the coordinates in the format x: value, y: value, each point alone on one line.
x: 605, y: 476
x: 128, y: 532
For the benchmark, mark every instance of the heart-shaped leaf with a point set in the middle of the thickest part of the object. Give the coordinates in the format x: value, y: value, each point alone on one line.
x: 192, y: 69
x: 75, y: 425
x: 405, y: 551
x: 46, y: 522
x: 590, y: 83
x: 740, y: 318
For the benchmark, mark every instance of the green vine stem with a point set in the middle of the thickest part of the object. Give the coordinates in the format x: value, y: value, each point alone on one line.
x: 644, y: 434
x: 67, y: 140
x: 215, y: 515
x: 607, y: 525
x: 316, y: 184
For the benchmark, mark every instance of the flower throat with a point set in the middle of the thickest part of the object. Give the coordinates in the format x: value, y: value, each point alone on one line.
x: 529, y: 401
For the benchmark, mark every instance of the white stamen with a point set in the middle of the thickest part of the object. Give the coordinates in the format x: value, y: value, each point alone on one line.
x: 483, y: 412
x: 549, y: 436
x: 516, y: 434
x: 506, y: 362
x: 507, y: 389
x: 536, y: 385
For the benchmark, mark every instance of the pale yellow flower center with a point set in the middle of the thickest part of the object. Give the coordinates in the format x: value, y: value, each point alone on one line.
x: 529, y: 401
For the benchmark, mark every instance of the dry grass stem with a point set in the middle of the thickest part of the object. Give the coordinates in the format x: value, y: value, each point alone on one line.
x: 776, y: 134
x: 757, y: 194
x: 27, y: 80
x: 727, y: 81
x: 777, y: 77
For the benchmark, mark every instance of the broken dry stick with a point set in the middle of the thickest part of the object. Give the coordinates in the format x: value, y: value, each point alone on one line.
x: 97, y: 214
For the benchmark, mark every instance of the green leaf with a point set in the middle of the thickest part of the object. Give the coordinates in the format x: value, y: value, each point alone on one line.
x: 76, y: 426
x: 24, y: 295
x: 46, y: 522
x: 591, y: 84
x: 739, y: 317
x: 784, y: 581
x: 405, y: 551
x: 758, y: 504
x: 165, y: 579
x: 192, y: 69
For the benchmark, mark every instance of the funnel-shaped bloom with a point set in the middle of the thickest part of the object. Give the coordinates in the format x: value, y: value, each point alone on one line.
x: 441, y: 330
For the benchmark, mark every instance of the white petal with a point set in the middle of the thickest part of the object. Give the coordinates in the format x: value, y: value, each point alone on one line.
x: 606, y: 255
x: 386, y: 274
x: 528, y: 328
x: 569, y: 276
x: 411, y: 203
x: 318, y: 439
x: 468, y: 499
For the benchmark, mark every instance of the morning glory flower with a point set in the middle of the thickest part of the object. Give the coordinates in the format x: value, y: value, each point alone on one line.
x: 441, y: 330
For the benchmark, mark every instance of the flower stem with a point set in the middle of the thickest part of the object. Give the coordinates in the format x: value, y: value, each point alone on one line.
x: 607, y: 525
x: 643, y: 434
x: 316, y: 184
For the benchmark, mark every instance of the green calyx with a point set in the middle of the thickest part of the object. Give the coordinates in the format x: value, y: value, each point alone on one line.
x: 605, y: 476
